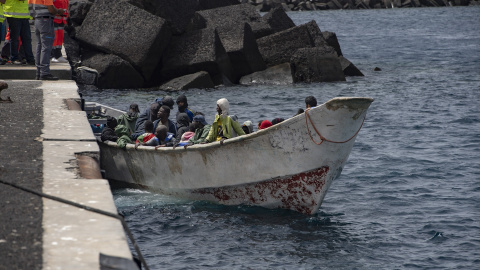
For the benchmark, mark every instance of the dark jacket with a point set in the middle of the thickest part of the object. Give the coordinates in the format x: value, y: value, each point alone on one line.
x: 183, y: 121
x: 108, y: 134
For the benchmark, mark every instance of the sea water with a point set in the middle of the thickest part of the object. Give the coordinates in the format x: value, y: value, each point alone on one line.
x: 409, y: 196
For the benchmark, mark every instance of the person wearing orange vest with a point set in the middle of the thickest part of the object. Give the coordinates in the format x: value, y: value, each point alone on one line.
x: 59, y: 24
x: 43, y: 12
x: 16, y: 12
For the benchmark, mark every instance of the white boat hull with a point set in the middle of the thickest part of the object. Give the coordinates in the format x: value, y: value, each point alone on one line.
x: 284, y: 166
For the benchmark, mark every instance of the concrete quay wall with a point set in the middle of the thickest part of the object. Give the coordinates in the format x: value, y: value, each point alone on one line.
x: 72, y: 238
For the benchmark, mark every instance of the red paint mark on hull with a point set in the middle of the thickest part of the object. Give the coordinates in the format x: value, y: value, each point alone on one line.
x: 300, y: 192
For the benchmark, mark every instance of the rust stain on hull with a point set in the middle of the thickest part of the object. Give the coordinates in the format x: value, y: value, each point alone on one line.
x: 300, y: 192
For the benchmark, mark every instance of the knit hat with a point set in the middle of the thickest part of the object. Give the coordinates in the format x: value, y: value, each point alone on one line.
x: 265, y: 124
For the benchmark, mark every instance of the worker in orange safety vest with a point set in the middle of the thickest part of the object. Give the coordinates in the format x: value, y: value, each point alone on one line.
x: 59, y: 24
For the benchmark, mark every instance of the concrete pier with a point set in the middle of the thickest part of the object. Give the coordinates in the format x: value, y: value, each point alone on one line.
x: 41, y: 141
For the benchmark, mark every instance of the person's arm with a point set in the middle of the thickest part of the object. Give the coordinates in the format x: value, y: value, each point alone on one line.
x: 238, y: 128
x: 55, y: 11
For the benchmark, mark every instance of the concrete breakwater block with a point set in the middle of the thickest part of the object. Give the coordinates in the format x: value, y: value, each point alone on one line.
x: 279, y: 47
x: 242, y: 49
x: 277, y: 75
x: 312, y: 65
x: 229, y: 16
x: 278, y: 20
x: 113, y: 72
x: 140, y: 37
x: 197, y: 51
x: 199, y: 80
x: 177, y: 13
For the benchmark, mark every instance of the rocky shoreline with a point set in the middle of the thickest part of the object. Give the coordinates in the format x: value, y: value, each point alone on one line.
x: 299, y: 5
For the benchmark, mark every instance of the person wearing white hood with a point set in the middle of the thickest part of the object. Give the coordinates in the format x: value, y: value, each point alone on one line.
x: 223, y: 126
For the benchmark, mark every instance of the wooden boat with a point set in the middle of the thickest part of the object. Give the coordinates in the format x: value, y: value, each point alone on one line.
x: 289, y: 165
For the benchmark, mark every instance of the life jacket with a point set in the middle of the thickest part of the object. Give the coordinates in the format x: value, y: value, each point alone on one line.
x: 63, y: 4
x: 16, y: 9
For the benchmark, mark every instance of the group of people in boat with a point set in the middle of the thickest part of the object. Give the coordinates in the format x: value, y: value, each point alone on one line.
x: 153, y: 127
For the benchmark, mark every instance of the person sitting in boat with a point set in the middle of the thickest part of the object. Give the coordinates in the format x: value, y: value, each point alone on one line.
x: 166, y: 100
x: 149, y: 114
x: 189, y: 134
x: 183, y: 122
x: 265, y: 124
x: 202, y: 128
x: 310, y: 102
x: 247, y: 127
x: 223, y: 126
x: 183, y: 107
x: 108, y: 133
x: 147, y: 138
x: 163, y: 115
x: 129, y: 119
x: 277, y: 120
x: 299, y: 111
x: 165, y: 138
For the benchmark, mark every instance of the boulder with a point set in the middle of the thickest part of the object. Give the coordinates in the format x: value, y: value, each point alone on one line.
x: 278, y: 20
x: 332, y: 40
x: 199, y: 80
x: 197, y: 51
x: 279, y: 47
x: 242, y: 49
x: 113, y: 72
x: 125, y: 30
x: 276, y: 75
x: 349, y: 69
x: 312, y: 65
x: 230, y: 16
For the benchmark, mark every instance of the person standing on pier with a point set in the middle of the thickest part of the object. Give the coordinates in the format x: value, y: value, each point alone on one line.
x: 16, y: 12
x: 43, y: 12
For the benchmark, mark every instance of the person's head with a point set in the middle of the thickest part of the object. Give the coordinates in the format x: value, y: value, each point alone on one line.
x: 265, y: 124
x: 300, y: 111
x: 247, y: 127
x: 111, y: 122
x: 148, y: 126
x: 182, y: 103
x: 223, y: 106
x: 166, y: 100
x: 310, y: 102
x: 133, y: 108
x: 199, y: 121
x: 277, y: 120
x: 161, y: 132
x: 154, y: 111
x: 183, y: 120
x: 258, y: 124
x: 164, y: 112
x: 192, y: 127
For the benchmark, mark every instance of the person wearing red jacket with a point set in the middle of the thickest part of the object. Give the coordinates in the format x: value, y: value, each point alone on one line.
x: 59, y: 24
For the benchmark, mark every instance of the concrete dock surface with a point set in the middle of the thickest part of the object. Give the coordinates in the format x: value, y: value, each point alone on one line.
x: 41, y: 145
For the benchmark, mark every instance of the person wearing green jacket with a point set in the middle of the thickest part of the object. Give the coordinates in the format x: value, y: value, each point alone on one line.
x: 223, y: 126
x: 17, y: 15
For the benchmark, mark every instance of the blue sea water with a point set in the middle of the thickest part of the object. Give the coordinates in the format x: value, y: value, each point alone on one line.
x: 409, y: 195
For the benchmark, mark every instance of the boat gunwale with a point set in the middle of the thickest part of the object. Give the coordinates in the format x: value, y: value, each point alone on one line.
x: 331, y: 104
